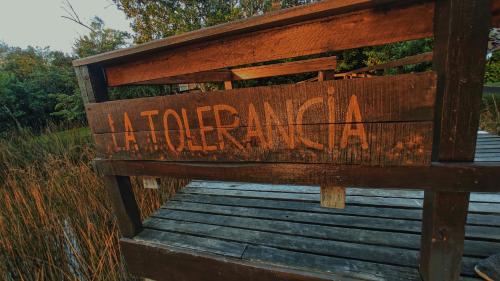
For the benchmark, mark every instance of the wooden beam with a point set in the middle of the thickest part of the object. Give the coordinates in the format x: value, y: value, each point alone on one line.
x: 267, y: 21
x: 286, y: 68
x: 92, y: 83
x: 441, y: 177
x: 373, y: 27
x: 333, y: 196
x: 246, y: 73
x: 461, y: 30
x: 124, y: 205
x: 198, y: 77
x: 443, y: 234
x: 392, y: 127
x: 161, y: 262
x: 420, y: 58
x: 275, y: 19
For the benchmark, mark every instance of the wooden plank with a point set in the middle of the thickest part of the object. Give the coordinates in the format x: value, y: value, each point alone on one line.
x: 408, y: 97
x: 312, y: 207
x: 124, y: 205
x: 388, y: 193
x: 372, y: 27
x: 420, y: 58
x: 333, y: 197
x: 357, y: 269
x: 322, y: 225
x: 246, y: 73
x: 167, y: 262
x: 362, y: 252
x: 195, y: 243
x: 286, y: 68
x: 256, y: 23
x: 371, y: 253
x: 197, y: 77
x: 383, y: 148
x: 373, y: 201
x: 439, y: 176
x: 281, y: 123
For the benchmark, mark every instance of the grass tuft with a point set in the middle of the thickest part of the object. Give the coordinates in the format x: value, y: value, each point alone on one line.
x: 55, y: 222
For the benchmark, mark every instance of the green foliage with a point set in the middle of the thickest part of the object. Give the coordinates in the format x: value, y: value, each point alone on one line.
x: 30, y: 80
x: 492, y: 74
x: 100, y: 39
x: 157, y: 19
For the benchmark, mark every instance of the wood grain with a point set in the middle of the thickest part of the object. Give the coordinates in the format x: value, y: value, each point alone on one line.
x: 443, y: 177
x: 378, y: 121
x: 333, y: 196
x: 270, y: 20
x: 358, y: 29
x: 408, y: 97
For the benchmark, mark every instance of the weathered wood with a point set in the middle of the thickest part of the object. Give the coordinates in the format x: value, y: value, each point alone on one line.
x: 408, y: 97
x: 92, y: 83
x: 247, y: 73
x: 228, y: 85
x: 461, y: 30
x: 374, y: 121
x: 286, y: 68
x: 444, y: 177
x: 373, y: 27
x: 275, y: 19
x: 443, y: 233
x: 420, y: 58
x: 386, y: 144
x: 359, y: 209
x: 122, y: 199
x: 161, y: 262
x: 333, y: 196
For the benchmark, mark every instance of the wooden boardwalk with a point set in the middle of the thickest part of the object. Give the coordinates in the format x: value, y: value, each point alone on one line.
x: 376, y: 237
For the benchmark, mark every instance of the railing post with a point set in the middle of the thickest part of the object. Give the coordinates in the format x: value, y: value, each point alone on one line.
x: 461, y: 35
x: 93, y: 88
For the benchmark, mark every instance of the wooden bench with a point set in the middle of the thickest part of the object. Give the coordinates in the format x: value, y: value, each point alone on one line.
x: 409, y: 131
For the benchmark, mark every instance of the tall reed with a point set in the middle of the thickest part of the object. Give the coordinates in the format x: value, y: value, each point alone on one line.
x: 55, y: 222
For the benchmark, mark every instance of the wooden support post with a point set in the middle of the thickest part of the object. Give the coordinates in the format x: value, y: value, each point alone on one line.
x: 228, y: 85
x: 92, y: 83
x: 461, y: 34
x: 443, y: 233
x: 124, y: 205
x: 333, y: 197
x: 93, y: 88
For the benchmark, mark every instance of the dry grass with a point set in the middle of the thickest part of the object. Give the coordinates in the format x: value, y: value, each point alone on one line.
x: 490, y: 114
x: 55, y: 223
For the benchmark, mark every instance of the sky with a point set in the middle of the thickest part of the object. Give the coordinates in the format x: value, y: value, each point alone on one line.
x: 38, y: 22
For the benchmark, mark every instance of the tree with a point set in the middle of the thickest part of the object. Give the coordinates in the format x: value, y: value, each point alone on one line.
x: 157, y: 19
x: 100, y: 39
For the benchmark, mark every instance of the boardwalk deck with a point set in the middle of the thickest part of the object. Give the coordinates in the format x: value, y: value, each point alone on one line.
x: 376, y: 237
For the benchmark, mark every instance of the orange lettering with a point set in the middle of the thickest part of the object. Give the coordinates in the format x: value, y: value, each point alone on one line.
x: 204, y: 128
x: 167, y: 113
x: 254, y: 121
x: 270, y: 116
x: 113, y: 136
x: 129, y: 133
x: 150, y: 114
x: 191, y: 146
x: 222, y: 130
x: 300, y: 116
x: 353, y: 110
